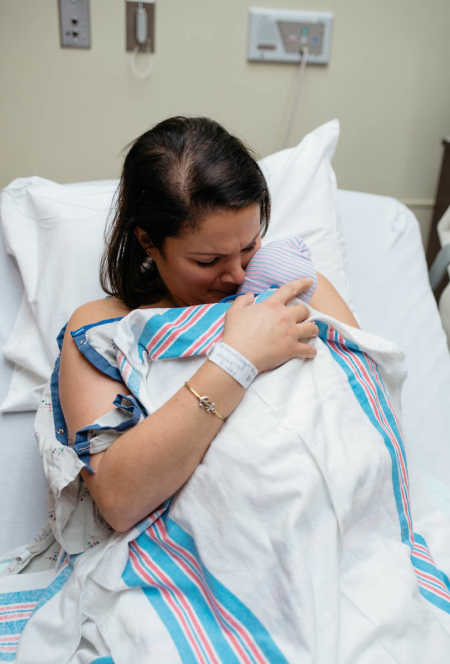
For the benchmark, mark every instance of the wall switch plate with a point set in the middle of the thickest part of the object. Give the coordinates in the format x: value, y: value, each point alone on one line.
x: 132, y: 43
x: 279, y: 35
x: 74, y: 23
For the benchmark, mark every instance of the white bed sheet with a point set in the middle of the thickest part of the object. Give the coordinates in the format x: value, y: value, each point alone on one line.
x: 390, y: 290
x: 387, y: 274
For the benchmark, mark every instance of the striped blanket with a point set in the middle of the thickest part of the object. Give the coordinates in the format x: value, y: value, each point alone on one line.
x: 293, y: 541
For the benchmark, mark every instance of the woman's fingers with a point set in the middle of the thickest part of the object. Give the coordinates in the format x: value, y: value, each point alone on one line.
x: 243, y: 301
x: 298, y: 312
x: 270, y: 332
x: 305, y: 351
x: 308, y: 330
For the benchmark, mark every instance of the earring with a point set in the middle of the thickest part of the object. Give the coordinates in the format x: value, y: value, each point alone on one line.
x: 146, y: 263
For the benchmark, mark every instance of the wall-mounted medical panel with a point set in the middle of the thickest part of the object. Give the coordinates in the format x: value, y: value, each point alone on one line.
x: 140, y: 26
x: 282, y: 35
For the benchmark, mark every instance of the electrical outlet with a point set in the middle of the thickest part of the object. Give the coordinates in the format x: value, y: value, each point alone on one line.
x: 74, y: 24
x: 279, y: 35
x: 131, y: 9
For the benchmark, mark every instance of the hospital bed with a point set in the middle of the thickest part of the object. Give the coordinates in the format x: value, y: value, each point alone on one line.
x: 381, y: 269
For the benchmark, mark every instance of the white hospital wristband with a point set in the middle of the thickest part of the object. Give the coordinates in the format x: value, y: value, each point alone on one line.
x: 235, y: 364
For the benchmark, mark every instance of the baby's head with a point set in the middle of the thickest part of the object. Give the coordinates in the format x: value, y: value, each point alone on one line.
x: 277, y: 263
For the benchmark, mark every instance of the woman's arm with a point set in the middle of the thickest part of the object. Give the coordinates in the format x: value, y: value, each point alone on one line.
x: 327, y: 300
x: 150, y: 462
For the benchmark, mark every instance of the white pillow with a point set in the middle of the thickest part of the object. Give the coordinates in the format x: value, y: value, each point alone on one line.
x: 303, y: 187
x: 56, y: 233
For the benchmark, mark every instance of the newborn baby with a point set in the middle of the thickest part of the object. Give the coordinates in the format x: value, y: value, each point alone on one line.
x: 277, y: 263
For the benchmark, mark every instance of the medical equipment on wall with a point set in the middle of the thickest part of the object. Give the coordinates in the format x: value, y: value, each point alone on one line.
x: 298, y: 37
x: 141, y: 19
x: 278, y: 35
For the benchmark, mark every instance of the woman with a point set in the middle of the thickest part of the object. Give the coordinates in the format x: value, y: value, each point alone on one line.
x: 195, y: 202
x: 273, y: 550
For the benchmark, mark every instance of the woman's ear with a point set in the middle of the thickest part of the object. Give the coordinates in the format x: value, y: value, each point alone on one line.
x: 143, y: 238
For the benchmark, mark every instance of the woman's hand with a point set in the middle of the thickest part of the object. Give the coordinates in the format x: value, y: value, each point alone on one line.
x: 270, y: 333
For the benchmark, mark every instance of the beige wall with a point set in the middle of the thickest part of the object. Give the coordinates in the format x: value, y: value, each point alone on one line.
x: 67, y: 114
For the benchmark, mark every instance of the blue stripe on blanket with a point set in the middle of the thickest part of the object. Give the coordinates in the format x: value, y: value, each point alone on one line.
x: 367, y: 385
x: 204, y: 619
x: 170, y: 334
x: 186, y: 331
x: 55, y: 585
x: 368, y: 394
x: 229, y: 600
x: 16, y: 608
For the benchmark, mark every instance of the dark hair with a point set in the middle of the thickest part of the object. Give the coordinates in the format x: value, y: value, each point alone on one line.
x: 172, y: 176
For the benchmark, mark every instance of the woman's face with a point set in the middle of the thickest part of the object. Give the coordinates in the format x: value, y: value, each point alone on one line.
x: 205, y: 264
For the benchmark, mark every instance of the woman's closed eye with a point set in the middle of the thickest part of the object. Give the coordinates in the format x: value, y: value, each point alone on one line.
x: 206, y: 263
x: 214, y: 260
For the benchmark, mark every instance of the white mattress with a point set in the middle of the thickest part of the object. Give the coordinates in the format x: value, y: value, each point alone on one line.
x: 390, y: 292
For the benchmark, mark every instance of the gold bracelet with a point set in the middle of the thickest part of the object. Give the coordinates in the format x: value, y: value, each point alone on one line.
x: 205, y: 403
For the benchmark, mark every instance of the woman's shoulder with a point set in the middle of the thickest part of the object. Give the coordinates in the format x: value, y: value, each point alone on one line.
x: 97, y: 311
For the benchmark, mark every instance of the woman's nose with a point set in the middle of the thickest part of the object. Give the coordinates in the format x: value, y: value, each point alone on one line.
x: 234, y: 274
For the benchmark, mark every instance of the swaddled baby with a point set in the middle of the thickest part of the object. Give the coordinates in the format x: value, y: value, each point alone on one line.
x: 277, y: 263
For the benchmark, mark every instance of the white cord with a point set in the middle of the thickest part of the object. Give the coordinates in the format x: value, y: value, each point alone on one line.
x: 146, y: 71
x: 301, y: 73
